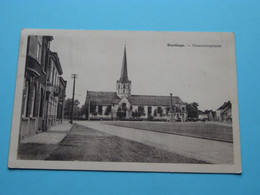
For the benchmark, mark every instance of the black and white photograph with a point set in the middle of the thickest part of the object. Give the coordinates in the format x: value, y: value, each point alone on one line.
x: 126, y: 101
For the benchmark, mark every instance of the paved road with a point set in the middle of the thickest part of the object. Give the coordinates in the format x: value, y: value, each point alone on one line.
x: 85, y: 144
x: 200, y: 149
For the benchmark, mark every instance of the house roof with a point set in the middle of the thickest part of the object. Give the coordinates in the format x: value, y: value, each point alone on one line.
x: 63, y: 81
x: 225, y: 105
x: 226, y: 109
x: 57, y: 61
x: 107, y: 98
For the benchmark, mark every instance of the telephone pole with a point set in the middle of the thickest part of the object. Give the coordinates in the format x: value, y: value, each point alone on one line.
x: 74, y: 76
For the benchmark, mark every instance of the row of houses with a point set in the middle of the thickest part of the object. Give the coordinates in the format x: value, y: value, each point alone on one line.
x: 223, y: 113
x: 44, y: 89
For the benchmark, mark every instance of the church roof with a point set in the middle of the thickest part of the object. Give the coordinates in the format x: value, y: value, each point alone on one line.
x: 108, y: 98
x: 102, y: 97
x: 124, y: 77
x: 149, y: 100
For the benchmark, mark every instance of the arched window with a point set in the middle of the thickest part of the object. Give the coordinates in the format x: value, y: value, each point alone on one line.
x: 25, y: 97
x: 33, y: 101
x: 35, y: 110
x: 41, y: 103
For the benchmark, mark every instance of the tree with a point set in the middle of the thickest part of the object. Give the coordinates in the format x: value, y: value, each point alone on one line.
x: 192, y: 110
x: 84, y: 110
x: 68, y: 108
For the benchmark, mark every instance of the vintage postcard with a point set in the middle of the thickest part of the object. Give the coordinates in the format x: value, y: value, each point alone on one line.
x: 126, y: 101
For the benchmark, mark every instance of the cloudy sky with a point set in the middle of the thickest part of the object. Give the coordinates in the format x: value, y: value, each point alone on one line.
x: 204, y: 75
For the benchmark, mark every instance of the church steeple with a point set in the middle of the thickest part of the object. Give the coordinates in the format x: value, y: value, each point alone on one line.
x: 124, y: 84
x: 124, y: 77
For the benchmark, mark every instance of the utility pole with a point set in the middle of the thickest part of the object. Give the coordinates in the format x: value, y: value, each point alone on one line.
x: 171, y: 110
x: 74, y: 76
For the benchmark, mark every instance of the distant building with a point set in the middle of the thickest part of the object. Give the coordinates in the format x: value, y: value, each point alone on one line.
x: 123, y: 105
x: 202, y: 115
x: 36, y: 89
x: 224, y: 112
x: 208, y: 115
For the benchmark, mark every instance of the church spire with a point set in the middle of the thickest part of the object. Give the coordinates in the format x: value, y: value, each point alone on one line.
x: 123, y: 85
x: 124, y: 77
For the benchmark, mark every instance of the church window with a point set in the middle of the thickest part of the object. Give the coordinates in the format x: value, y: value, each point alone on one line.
x: 141, y: 110
x: 159, y: 110
x: 124, y: 106
x: 155, y: 112
x: 108, y: 110
x: 149, y: 110
x: 92, y: 108
x: 100, y: 110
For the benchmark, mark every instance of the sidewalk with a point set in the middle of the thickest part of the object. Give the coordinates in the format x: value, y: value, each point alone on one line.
x: 54, y: 135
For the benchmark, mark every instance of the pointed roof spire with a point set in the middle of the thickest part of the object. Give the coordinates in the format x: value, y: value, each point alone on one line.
x: 124, y: 77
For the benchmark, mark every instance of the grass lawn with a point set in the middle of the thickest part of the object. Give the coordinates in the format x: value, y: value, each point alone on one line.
x: 203, y: 130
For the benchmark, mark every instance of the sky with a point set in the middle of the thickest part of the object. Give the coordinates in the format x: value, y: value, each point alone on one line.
x: 206, y: 75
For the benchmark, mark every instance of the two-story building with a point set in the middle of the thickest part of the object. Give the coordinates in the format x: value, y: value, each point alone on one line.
x: 224, y: 112
x: 38, y: 86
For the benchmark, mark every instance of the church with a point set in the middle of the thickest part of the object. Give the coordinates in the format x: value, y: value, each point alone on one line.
x: 123, y: 105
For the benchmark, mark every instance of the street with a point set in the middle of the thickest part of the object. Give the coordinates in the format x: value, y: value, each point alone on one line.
x: 211, y: 151
x: 86, y: 144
